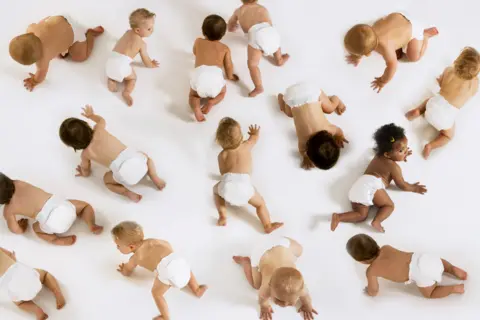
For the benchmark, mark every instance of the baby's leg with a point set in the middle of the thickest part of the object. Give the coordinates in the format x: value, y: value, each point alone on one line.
x: 86, y: 212
x: 31, y: 307
x: 296, y: 248
x: 280, y: 58
x: 158, y: 291
x: 418, y: 111
x: 112, y: 85
x: 152, y: 174
x: 416, y: 48
x: 283, y: 106
x: 330, y: 104
x: 454, y: 271
x: 262, y: 212
x: 385, y: 206
x: 221, y: 207
x: 441, y: 140
x: 114, y: 186
x: 435, y: 291
x: 359, y: 214
x: 198, y: 290
x: 80, y: 51
x: 254, y: 56
x: 129, y: 86
x: 254, y: 277
x: 214, y: 101
x: 53, y: 238
x: 51, y: 283
x: 194, y: 101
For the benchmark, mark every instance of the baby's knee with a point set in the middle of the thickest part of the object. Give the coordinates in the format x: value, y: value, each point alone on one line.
x: 252, y: 64
x: 363, y: 215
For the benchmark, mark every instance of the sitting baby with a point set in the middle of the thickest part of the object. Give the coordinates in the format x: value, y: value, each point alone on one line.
x: 271, y: 270
x: 235, y: 164
x: 54, y: 215
x: 424, y: 270
x: 23, y: 284
x: 128, y: 166
x: 118, y: 67
x: 156, y: 256
x: 319, y: 141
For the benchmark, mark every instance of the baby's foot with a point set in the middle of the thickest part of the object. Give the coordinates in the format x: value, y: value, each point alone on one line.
x: 431, y: 32
x: 96, y: 31
x: 459, y: 288
x: 207, y: 107
x: 459, y: 273
x: 222, y: 222
x: 378, y: 226
x: 96, y: 229
x: 241, y: 260
x: 256, y: 92
x: 158, y: 318
x: 65, y: 241
x: 128, y: 98
x: 282, y: 60
x: 273, y: 226
x: 159, y: 183
x: 60, y: 300
x: 335, y: 222
x: 112, y: 85
x: 199, y: 115
x: 133, y: 196
x: 426, y: 151
x: 41, y: 315
x: 412, y: 114
x: 201, y: 291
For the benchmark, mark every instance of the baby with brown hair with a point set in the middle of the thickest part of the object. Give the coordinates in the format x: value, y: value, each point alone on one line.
x: 235, y: 164
x: 458, y: 84
x: 386, y: 262
x: 392, y: 37
x: 118, y: 67
x: 271, y: 269
x: 156, y: 256
x: 55, y: 36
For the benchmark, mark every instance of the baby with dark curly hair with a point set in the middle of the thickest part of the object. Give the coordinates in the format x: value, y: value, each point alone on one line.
x: 369, y: 189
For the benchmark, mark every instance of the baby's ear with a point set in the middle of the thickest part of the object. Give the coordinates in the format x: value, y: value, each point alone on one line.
x: 386, y: 155
x: 136, y: 30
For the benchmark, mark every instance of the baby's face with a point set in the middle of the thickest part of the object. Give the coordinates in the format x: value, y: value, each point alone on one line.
x: 146, y: 28
x: 400, y: 150
x: 122, y: 247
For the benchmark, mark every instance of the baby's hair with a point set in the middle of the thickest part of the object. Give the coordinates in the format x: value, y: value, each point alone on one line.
x: 361, y: 40
x: 287, y: 282
x: 214, y: 27
x: 76, y: 133
x: 128, y: 232
x: 467, y: 65
x: 386, y: 136
x: 7, y: 189
x: 322, y: 150
x: 229, y: 133
x: 138, y: 16
x: 249, y: 1
x: 363, y: 248
x: 26, y: 49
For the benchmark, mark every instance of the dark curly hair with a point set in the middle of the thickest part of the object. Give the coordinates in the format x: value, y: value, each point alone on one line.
x: 363, y: 248
x: 214, y: 27
x: 76, y: 133
x: 7, y: 189
x: 386, y: 136
x: 322, y: 150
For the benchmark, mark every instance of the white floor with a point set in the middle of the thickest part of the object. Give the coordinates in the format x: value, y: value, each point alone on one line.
x: 442, y: 222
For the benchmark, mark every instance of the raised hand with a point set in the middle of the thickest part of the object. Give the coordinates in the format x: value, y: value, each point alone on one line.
x: 30, y: 83
x: 88, y: 111
x: 409, y: 153
x: 254, y: 130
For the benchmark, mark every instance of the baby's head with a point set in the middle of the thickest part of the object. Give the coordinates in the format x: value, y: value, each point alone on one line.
x: 391, y: 142
x: 286, y: 286
x: 363, y: 248
x: 229, y: 134
x: 322, y: 150
x: 128, y: 236
x: 26, y: 49
x: 249, y: 1
x: 467, y: 65
x: 76, y: 133
x: 214, y: 27
x: 7, y: 189
x: 142, y: 22
x: 361, y: 40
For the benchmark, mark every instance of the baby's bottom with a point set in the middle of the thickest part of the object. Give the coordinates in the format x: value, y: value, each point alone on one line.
x: 435, y: 291
x: 129, y: 82
x: 194, y: 101
x: 416, y: 48
x: 80, y: 51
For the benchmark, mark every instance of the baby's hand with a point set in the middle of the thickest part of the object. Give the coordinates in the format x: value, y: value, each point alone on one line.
x: 370, y: 294
x: 88, y: 111
x: 23, y: 223
x: 307, y: 164
x: 266, y: 313
x: 123, y: 270
x: 340, y: 140
x: 307, y: 312
x: 254, y: 130
x: 409, y: 153
x: 353, y: 59
x: 419, y: 188
x: 233, y: 27
x: 378, y: 84
x: 234, y: 78
x: 341, y: 108
x: 155, y: 64
x: 82, y: 173
x: 30, y: 83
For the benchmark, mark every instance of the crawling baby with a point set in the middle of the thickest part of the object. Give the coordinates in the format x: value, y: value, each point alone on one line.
x: 128, y: 166
x: 263, y: 38
x: 392, y: 37
x: 424, y: 270
x: 271, y: 270
x: 54, y: 215
x: 458, y: 84
x: 157, y: 256
x: 235, y: 164
x: 118, y: 67
x: 207, y: 81
x: 319, y: 141
x: 369, y: 189
x: 55, y: 36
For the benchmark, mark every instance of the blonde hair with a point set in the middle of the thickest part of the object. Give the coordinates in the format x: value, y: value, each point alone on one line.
x: 128, y: 232
x: 26, y: 49
x: 287, y: 282
x: 361, y: 40
x: 467, y: 65
x: 229, y: 133
x: 138, y: 16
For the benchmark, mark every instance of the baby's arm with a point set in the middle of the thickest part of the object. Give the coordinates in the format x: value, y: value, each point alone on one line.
x: 38, y: 77
x: 84, y: 168
x: 392, y: 62
x: 90, y: 114
x: 127, y: 268
x: 8, y: 253
x: 372, y: 288
x: 228, y: 64
x: 306, y: 307
x: 149, y: 63
x: 264, y: 300
x: 17, y: 227
x: 306, y: 164
x: 397, y: 177
x: 339, y: 136
x: 233, y: 22
x: 254, y: 132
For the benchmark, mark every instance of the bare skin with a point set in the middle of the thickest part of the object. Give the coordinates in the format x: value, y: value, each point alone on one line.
x: 457, y: 92
x: 395, y: 32
x: 56, y: 35
x: 394, y: 265
x: 148, y: 254
x: 386, y: 168
x: 310, y: 119
x: 104, y: 149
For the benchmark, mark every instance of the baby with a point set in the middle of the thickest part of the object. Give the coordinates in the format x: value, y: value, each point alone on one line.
x: 263, y: 38
x: 23, y: 284
x: 54, y: 215
x: 235, y: 164
x: 118, y: 67
x: 128, y: 166
x: 211, y: 55
x: 319, y: 141
x: 271, y: 270
x: 369, y: 189
x: 56, y: 36
x: 156, y: 256
x: 457, y: 85
x: 403, y: 267
x: 391, y: 36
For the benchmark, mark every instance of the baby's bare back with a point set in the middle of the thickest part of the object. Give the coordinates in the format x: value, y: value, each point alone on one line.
x: 56, y: 35
x: 235, y: 161
x: 27, y: 200
x: 393, y: 31
x: 104, y: 148
x: 5, y: 263
x: 309, y: 119
x: 210, y: 53
x: 275, y: 258
x: 152, y: 252
x: 252, y: 14
x: 129, y: 44
x: 455, y: 90
x: 392, y: 264
x: 381, y: 167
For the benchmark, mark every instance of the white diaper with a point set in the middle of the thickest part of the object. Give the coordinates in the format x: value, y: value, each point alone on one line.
x: 21, y: 282
x: 364, y: 189
x: 266, y: 245
x: 417, y: 29
x: 264, y: 37
x: 118, y: 66
x: 425, y: 270
x: 79, y: 31
x: 174, y: 271
x: 236, y: 188
x: 130, y: 167
x: 440, y: 113
x: 301, y: 94
x: 57, y: 216
x: 207, y: 81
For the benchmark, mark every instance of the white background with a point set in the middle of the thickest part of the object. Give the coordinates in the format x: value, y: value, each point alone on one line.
x: 443, y: 222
